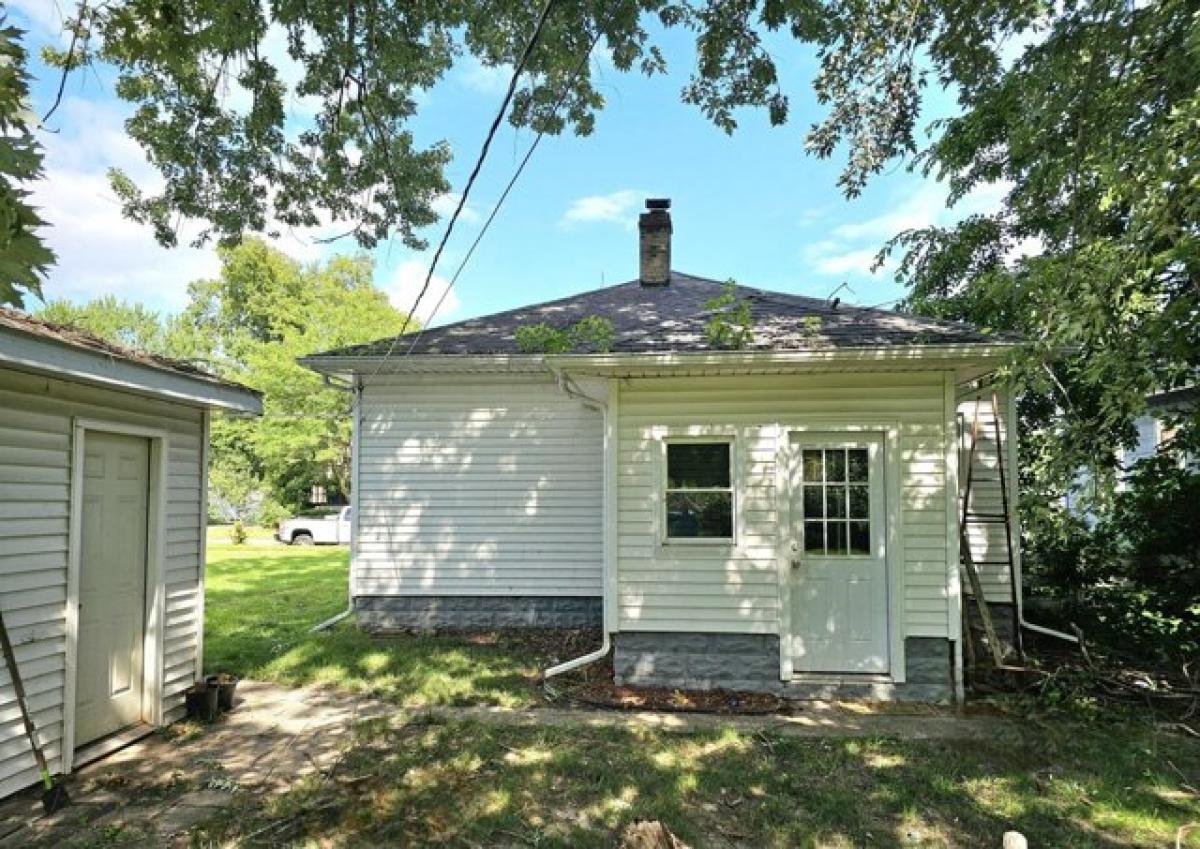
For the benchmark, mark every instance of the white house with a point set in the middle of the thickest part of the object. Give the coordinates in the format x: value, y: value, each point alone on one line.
x: 102, y: 516
x: 1153, y: 428
x: 783, y: 516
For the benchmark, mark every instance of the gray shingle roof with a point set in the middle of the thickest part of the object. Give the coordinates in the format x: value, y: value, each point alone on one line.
x: 671, y: 319
x: 61, y: 334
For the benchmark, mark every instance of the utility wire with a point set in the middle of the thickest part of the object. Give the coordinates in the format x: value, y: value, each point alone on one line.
x: 462, y: 199
x: 583, y: 60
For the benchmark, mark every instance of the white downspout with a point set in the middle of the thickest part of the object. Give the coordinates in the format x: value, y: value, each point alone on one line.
x: 355, y: 429
x: 565, y: 384
x: 1011, y: 474
x: 1019, y: 577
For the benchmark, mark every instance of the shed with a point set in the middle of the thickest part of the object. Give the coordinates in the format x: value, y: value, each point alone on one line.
x: 103, y: 455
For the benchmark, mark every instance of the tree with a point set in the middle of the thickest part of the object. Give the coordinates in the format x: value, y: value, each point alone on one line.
x: 1095, y: 129
x: 1086, y: 112
x: 129, y: 324
x: 260, y: 315
x: 250, y: 324
x: 24, y: 259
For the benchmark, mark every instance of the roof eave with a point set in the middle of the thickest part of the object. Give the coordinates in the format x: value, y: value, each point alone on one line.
x: 939, y: 356
x: 32, y: 353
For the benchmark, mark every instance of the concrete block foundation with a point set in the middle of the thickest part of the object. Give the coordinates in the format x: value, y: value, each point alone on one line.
x: 750, y: 662
x: 395, y: 613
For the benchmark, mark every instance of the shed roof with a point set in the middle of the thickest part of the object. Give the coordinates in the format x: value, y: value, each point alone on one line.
x: 672, y: 318
x: 30, y: 343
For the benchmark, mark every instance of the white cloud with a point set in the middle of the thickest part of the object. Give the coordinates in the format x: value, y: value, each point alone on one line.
x: 444, y: 206
x: 100, y: 252
x: 41, y: 14
x: 826, y: 258
x: 617, y: 207
x: 852, y: 247
x: 406, y: 282
x: 485, y: 79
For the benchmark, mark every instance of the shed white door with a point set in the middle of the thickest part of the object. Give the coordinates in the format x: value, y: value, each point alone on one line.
x: 839, y: 563
x: 112, y: 584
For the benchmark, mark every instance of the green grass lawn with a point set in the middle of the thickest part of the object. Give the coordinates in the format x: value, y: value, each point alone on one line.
x: 458, y: 783
x: 261, y: 601
x: 465, y: 784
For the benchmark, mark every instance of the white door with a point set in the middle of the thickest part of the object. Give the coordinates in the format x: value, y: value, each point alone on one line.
x: 839, y: 562
x: 112, y: 584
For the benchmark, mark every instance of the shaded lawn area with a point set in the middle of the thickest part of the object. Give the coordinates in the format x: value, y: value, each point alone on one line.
x: 465, y: 784
x: 262, y: 600
x: 460, y: 783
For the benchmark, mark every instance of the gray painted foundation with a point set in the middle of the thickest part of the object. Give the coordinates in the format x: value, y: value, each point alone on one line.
x: 697, y: 661
x: 1004, y: 620
x: 750, y: 662
x: 395, y: 613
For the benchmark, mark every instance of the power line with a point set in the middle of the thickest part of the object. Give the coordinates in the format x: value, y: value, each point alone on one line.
x: 512, y: 182
x: 462, y: 199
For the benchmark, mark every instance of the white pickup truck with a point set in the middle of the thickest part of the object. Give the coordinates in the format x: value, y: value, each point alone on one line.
x: 333, y: 529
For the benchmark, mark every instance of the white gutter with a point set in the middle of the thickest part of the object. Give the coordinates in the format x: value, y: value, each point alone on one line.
x: 567, y: 386
x: 931, y: 356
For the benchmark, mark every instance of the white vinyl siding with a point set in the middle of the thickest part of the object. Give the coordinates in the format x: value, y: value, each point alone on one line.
x: 735, y: 588
x: 478, y: 487
x: 988, y: 546
x: 35, y: 460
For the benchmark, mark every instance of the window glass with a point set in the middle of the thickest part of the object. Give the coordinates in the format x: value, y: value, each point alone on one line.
x: 857, y: 465
x: 814, y: 466
x: 698, y: 465
x: 699, y: 492
x: 699, y: 514
x: 836, y: 501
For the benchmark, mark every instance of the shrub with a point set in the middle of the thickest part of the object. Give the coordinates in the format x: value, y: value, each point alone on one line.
x: 237, y: 533
x: 591, y: 334
x: 729, y: 326
x: 1134, y: 577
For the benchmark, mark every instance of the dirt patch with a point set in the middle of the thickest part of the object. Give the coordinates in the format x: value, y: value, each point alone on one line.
x: 593, y: 686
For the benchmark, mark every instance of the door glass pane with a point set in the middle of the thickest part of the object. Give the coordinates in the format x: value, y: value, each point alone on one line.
x: 814, y: 502
x: 814, y: 468
x: 835, y: 501
x: 814, y: 537
x: 836, y: 537
x: 835, y: 464
x: 858, y: 464
x: 700, y: 514
x: 702, y: 465
x: 860, y: 537
x: 859, y: 502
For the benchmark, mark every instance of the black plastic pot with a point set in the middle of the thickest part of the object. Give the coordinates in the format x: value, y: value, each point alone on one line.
x: 202, y: 700
x: 226, y: 685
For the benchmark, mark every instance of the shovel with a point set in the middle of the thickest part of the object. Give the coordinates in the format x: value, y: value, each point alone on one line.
x: 54, y: 796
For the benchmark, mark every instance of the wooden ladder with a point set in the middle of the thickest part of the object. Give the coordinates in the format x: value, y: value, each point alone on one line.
x: 974, y: 518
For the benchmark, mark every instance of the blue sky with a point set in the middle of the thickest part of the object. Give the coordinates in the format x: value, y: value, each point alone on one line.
x: 752, y: 206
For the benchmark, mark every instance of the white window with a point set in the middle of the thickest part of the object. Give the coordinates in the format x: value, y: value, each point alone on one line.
x: 837, y: 501
x: 699, y: 490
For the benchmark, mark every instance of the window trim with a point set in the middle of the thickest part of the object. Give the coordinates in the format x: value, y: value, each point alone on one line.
x: 723, y: 438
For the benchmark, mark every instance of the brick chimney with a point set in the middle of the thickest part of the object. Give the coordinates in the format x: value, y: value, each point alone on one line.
x: 654, y: 230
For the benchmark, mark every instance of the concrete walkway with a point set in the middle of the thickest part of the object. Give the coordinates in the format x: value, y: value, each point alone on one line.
x: 159, y: 789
